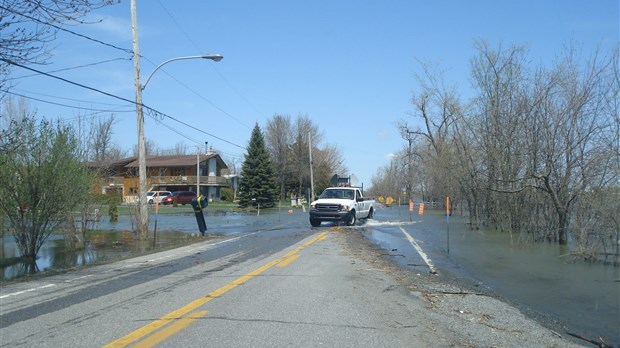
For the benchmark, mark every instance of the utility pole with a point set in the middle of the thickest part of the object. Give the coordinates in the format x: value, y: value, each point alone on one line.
x: 197, y: 170
x: 408, y: 135
x: 143, y: 223
x: 311, y: 172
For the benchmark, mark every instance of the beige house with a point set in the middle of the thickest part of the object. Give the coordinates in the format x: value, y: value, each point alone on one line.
x: 167, y: 173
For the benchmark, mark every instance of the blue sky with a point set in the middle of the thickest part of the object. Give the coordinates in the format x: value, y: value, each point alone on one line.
x: 348, y: 65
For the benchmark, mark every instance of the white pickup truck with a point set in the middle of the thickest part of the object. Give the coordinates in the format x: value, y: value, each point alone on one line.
x: 341, y: 204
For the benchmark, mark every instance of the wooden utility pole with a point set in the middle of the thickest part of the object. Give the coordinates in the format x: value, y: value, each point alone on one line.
x: 143, y: 223
x: 311, y: 172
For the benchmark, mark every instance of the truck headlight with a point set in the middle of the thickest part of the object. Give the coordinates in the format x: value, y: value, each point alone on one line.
x: 344, y: 207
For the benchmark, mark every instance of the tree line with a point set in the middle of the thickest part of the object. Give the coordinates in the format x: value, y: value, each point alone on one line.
x: 534, y: 152
x: 277, y: 163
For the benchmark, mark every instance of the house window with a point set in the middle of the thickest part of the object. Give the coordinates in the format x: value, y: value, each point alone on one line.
x: 162, y: 172
x: 178, y: 171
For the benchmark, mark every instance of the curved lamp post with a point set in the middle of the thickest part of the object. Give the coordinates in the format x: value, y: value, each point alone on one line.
x: 213, y: 57
x: 143, y: 211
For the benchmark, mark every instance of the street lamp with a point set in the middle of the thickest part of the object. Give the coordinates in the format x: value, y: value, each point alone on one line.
x: 213, y: 57
x: 143, y: 211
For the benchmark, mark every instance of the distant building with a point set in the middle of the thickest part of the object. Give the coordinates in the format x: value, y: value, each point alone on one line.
x: 165, y: 173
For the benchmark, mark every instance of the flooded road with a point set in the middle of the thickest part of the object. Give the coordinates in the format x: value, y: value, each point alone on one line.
x: 117, y: 241
x: 538, y: 277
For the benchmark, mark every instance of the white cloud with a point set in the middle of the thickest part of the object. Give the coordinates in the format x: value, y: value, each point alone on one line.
x: 390, y: 156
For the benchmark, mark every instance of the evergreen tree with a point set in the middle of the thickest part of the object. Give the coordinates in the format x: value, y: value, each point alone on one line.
x: 257, y: 182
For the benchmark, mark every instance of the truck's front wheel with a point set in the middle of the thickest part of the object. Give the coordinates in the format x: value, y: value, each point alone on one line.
x: 315, y: 222
x: 351, y: 218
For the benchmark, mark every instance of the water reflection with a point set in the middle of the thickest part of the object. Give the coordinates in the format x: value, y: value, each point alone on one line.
x: 117, y: 241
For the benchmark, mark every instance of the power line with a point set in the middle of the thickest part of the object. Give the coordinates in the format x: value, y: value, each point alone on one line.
x: 64, y: 105
x: 72, y: 68
x: 201, y: 96
x: 162, y: 115
x: 67, y: 81
x: 212, y: 65
x: 70, y: 99
x: 66, y: 30
x: 148, y: 109
x: 179, y: 133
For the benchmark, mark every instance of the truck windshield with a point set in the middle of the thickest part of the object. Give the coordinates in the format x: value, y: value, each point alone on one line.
x: 336, y: 193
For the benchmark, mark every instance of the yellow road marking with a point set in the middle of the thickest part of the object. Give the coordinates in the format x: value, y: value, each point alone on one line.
x: 180, y: 313
x: 289, y: 260
x: 170, y: 330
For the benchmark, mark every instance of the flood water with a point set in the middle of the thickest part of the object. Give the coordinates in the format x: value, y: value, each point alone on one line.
x: 117, y: 241
x: 539, y: 276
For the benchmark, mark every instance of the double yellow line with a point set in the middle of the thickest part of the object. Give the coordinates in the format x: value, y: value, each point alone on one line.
x: 175, y: 321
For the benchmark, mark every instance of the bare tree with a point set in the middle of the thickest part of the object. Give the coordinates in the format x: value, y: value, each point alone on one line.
x: 150, y: 146
x: 299, y: 155
x: 389, y: 180
x: 28, y: 26
x: 180, y: 148
x: 535, y: 151
x: 438, y: 108
x: 278, y: 137
x: 233, y: 163
x: 573, y: 122
x: 327, y: 161
x: 101, y: 139
x: 500, y: 108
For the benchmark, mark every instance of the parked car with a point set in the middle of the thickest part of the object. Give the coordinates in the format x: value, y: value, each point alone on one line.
x: 151, y: 196
x: 181, y: 197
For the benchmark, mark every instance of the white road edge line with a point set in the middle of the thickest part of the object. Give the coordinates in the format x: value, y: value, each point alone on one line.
x: 78, y: 278
x: 420, y: 251
x: 25, y: 291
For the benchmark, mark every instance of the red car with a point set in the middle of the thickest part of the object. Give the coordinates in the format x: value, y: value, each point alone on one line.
x: 181, y: 197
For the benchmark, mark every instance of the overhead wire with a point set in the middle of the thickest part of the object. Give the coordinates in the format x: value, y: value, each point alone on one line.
x: 70, y: 99
x: 153, y: 113
x: 36, y: 20
x: 71, y: 68
x: 65, y: 105
x: 162, y: 115
x: 212, y: 65
x: 200, y: 96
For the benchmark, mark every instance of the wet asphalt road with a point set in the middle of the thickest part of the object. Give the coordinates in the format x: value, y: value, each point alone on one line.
x: 279, y: 285
x: 241, y: 240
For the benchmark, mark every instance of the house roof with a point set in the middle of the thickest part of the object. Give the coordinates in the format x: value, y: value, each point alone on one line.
x: 177, y: 161
x: 111, y: 164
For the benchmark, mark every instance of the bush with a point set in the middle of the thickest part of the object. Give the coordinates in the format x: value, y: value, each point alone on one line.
x: 113, y: 211
x: 227, y: 194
